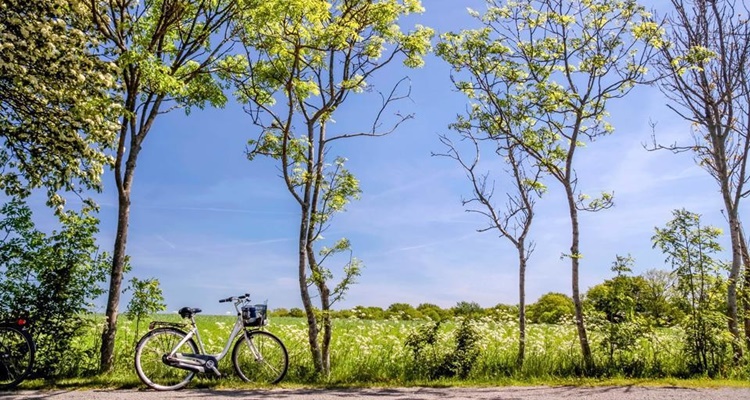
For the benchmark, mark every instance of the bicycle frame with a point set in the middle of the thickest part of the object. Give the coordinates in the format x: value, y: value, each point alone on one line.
x: 239, y: 326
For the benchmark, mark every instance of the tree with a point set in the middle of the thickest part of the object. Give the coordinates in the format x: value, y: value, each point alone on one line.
x: 56, y: 110
x: 688, y: 247
x: 432, y: 311
x: 513, y: 220
x: 619, y: 302
x: 553, y: 65
x: 660, y: 298
x: 147, y: 299
x: 551, y: 308
x: 619, y: 298
x: 166, y: 52
x: 311, y: 56
x: 705, y: 78
x: 403, y: 311
x: 467, y: 309
x: 53, y: 278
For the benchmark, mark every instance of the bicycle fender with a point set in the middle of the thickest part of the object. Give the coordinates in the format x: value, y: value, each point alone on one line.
x: 164, y: 324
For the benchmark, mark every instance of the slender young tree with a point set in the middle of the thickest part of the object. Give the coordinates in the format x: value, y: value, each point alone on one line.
x: 310, y: 56
x: 554, y: 65
x: 704, y: 72
x: 513, y: 220
x: 700, y: 281
x: 166, y: 52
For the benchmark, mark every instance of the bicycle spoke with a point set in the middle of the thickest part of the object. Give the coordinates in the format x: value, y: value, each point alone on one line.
x: 261, y: 359
x: 149, y: 362
x: 16, y: 357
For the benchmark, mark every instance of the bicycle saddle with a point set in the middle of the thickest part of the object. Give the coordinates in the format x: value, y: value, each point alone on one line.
x: 187, y: 312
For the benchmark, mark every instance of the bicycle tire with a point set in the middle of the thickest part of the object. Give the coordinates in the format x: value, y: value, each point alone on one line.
x: 271, y: 364
x: 149, y: 365
x: 16, y: 356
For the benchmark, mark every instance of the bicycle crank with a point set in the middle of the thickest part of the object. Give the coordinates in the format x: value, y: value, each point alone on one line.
x: 193, y: 362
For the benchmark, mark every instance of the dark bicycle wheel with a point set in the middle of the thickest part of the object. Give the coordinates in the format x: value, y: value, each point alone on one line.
x: 263, y: 359
x: 16, y: 356
x: 149, y: 354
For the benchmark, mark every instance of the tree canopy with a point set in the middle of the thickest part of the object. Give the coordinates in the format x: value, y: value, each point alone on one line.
x: 57, y: 111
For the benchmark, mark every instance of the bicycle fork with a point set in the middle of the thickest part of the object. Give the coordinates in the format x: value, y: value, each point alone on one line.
x: 256, y: 354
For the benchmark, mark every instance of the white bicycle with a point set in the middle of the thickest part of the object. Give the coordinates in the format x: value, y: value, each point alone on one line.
x: 167, y: 357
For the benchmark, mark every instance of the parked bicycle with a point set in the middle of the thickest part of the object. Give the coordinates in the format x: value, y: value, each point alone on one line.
x: 17, y: 350
x: 167, y: 357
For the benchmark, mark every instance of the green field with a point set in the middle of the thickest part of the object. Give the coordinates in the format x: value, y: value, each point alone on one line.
x: 375, y: 352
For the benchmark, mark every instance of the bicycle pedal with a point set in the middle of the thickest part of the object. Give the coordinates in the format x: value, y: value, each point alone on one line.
x: 212, y: 367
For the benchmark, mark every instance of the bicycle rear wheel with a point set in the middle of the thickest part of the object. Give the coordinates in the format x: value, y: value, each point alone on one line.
x: 16, y: 356
x: 149, y: 364
x: 264, y: 359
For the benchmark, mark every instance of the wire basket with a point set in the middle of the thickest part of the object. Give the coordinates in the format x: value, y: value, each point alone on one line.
x: 254, y: 315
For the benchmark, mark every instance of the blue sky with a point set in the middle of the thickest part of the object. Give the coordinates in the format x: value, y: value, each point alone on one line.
x: 209, y: 224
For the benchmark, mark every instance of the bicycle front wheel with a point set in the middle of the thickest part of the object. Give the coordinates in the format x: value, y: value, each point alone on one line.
x: 263, y: 359
x: 16, y: 356
x: 149, y: 355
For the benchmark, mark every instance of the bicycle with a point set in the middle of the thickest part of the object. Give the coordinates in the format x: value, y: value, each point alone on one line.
x: 167, y: 357
x: 17, y: 351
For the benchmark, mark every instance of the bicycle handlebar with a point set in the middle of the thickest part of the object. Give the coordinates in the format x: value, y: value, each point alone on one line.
x: 228, y: 299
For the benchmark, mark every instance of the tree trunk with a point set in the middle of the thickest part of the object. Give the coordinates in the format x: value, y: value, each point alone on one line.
x: 115, y: 281
x: 521, y: 305
x: 734, y: 278
x: 325, y: 311
x: 575, y: 262
x: 312, y: 323
x: 746, y: 287
x: 723, y: 178
x: 123, y: 181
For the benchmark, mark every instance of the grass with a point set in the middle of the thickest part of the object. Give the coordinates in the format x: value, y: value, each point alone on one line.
x: 374, y: 354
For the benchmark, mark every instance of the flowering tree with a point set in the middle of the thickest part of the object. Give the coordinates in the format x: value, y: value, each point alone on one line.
x: 56, y: 109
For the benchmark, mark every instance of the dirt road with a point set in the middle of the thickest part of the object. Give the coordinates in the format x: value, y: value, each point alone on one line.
x: 502, y: 393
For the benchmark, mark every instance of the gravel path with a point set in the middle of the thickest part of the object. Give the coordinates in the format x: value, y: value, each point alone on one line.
x: 502, y: 393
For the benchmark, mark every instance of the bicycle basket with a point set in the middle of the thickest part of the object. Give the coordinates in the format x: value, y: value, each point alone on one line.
x: 254, y: 315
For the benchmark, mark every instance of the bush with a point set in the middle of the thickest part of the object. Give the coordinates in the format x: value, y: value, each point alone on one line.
x: 53, y: 279
x: 551, y: 308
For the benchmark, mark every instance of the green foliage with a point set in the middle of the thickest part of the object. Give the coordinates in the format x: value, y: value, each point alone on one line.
x: 279, y: 312
x: 165, y: 50
x: 467, y: 309
x: 422, y: 344
x: 296, y: 312
x: 147, y: 298
x: 432, y: 362
x: 660, y: 300
x: 618, y: 313
x: 460, y: 361
x: 57, y: 113
x: 551, y: 308
x: 542, y: 71
x: 403, y: 311
x: 701, y: 282
x: 619, y: 299
x: 372, y: 313
x: 53, y: 279
x: 433, y: 312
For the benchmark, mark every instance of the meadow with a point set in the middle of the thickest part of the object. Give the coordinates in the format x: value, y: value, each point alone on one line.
x: 372, y: 352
